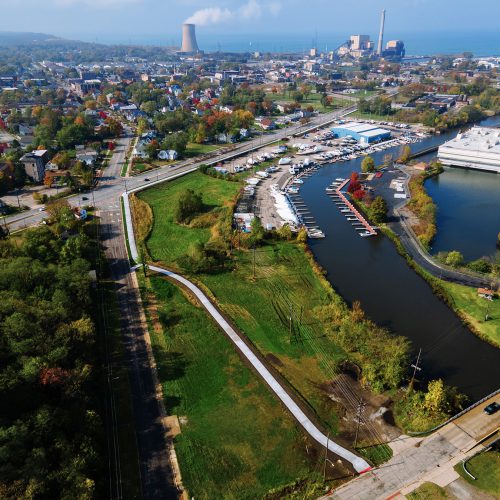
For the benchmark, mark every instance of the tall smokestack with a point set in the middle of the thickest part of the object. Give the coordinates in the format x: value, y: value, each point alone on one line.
x: 189, y: 44
x: 381, y: 35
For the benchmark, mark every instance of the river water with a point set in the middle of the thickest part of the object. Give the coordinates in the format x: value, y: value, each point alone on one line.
x: 468, y: 216
x: 371, y: 271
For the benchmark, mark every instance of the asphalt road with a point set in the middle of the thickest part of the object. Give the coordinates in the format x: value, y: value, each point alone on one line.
x: 112, y: 185
x: 417, y: 460
x: 399, y: 225
x: 153, y: 447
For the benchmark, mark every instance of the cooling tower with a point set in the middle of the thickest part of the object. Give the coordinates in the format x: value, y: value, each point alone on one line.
x: 381, y: 35
x: 189, y: 44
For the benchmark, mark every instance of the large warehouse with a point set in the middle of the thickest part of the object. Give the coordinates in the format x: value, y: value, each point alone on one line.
x: 362, y: 132
x: 478, y: 148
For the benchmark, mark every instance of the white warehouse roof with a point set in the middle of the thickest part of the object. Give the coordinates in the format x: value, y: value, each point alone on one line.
x: 478, y: 148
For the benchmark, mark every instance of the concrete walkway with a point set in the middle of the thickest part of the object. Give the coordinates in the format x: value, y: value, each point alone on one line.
x: 358, y: 463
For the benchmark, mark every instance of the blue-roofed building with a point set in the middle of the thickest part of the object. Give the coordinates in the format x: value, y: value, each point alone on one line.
x: 362, y: 132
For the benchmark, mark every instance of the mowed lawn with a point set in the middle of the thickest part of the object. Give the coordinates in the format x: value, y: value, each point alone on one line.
x: 237, y: 441
x: 275, y: 309
x: 485, y: 467
x: 428, y: 491
x: 313, y: 100
x: 475, y: 309
x: 193, y: 149
x: 170, y: 241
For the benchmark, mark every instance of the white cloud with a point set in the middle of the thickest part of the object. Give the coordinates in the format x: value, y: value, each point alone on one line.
x: 210, y: 15
x: 250, y: 11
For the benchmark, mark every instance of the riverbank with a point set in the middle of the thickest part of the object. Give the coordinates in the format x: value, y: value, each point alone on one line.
x: 279, y: 298
x: 421, y: 205
x: 463, y: 300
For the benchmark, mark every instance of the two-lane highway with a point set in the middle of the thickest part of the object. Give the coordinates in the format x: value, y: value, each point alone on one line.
x: 112, y: 185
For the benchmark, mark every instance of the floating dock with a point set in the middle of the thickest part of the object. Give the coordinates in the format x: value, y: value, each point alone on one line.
x: 349, y: 210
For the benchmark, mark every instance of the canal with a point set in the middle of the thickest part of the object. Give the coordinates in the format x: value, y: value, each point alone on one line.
x: 468, y: 216
x: 370, y: 270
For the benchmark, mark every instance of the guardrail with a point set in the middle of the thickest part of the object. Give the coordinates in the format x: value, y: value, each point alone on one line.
x: 458, y: 415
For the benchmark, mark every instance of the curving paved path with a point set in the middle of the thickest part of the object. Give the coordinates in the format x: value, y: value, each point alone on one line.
x: 358, y: 463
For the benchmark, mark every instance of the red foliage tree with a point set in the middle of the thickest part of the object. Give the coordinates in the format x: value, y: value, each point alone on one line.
x: 52, y: 376
x: 358, y: 195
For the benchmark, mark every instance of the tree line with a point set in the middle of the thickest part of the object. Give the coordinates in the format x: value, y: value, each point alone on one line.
x: 51, y: 433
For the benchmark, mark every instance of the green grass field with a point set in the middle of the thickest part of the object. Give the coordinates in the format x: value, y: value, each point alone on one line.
x: 364, y: 94
x: 138, y: 168
x: 169, y: 240
x: 313, y: 100
x: 277, y: 300
x: 284, y: 285
x: 194, y: 149
x: 428, y: 491
x: 236, y: 441
x: 475, y: 309
x: 486, y: 469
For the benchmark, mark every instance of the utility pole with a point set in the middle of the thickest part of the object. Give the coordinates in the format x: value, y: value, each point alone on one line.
x: 326, y: 456
x: 415, y: 367
x: 361, y: 405
x: 290, y: 323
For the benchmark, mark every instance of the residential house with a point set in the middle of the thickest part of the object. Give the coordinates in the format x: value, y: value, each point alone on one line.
x: 34, y: 164
x: 87, y: 156
x: 168, y: 155
x: 140, y: 150
x: 485, y: 293
x: 266, y: 124
x: 26, y: 130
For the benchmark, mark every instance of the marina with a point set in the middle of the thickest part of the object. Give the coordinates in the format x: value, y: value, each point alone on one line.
x: 349, y: 210
x: 390, y: 285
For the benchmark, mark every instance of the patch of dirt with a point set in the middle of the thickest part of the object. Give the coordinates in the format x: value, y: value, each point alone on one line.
x: 274, y: 360
x: 375, y: 410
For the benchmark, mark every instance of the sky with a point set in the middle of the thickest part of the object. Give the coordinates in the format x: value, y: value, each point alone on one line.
x: 98, y: 20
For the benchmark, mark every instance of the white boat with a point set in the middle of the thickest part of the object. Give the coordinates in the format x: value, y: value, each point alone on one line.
x: 298, y: 181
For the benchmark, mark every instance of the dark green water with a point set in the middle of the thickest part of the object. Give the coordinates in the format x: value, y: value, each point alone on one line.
x: 393, y: 295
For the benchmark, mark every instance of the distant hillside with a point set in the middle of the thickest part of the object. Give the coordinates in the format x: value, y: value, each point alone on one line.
x: 17, y: 38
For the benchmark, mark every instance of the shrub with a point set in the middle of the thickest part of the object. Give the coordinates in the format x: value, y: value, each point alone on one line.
x: 188, y: 205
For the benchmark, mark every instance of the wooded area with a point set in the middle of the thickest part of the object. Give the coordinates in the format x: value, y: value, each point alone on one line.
x: 51, y: 433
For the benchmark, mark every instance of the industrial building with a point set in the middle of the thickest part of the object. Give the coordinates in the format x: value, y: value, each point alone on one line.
x: 478, y: 148
x: 189, y: 42
x: 362, y: 132
x: 361, y: 46
x: 394, y: 48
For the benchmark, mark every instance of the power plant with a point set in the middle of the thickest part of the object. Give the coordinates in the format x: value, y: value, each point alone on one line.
x: 381, y: 35
x: 359, y: 46
x: 189, y: 43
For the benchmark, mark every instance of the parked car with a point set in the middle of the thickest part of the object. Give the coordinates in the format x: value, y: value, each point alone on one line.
x: 492, y: 408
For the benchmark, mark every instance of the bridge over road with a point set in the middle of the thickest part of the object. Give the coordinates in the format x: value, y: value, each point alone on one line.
x: 430, y: 458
